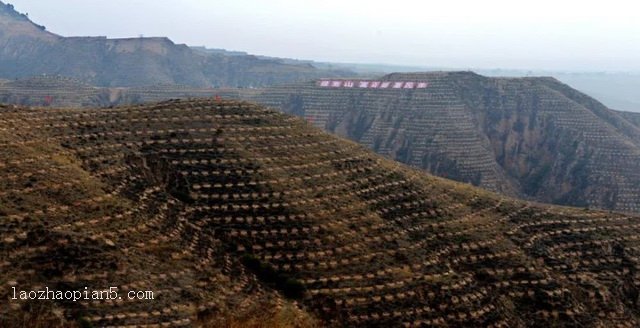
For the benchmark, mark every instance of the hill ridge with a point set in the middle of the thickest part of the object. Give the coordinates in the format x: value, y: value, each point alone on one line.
x: 533, y: 138
x: 141, y: 61
x: 230, y: 211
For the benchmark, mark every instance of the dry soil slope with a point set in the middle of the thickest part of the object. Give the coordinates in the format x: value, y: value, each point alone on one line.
x: 229, y: 211
x: 531, y: 137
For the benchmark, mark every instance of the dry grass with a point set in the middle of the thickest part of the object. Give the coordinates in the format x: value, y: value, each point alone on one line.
x: 286, y: 317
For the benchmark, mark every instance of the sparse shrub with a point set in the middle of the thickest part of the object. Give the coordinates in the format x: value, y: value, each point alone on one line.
x: 290, y: 287
x: 84, y: 323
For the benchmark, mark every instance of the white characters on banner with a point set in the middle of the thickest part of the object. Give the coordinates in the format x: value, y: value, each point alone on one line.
x: 372, y: 84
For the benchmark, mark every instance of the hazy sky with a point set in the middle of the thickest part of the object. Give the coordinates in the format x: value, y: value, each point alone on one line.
x: 540, y: 34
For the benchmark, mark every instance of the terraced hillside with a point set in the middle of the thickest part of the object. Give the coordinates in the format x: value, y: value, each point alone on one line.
x: 528, y: 137
x: 533, y: 138
x: 235, y: 215
x: 51, y: 90
x: 58, y: 91
x: 631, y: 117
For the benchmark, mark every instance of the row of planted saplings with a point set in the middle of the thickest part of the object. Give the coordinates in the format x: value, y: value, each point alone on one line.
x: 560, y: 233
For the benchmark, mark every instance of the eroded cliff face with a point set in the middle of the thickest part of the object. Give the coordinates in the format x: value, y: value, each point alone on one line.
x: 527, y: 140
x: 531, y: 137
x: 561, y: 146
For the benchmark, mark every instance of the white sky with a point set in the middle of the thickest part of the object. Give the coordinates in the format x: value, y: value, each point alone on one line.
x: 539, y: 34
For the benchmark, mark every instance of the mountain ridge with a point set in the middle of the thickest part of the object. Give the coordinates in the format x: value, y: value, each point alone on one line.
x: 29, y: 50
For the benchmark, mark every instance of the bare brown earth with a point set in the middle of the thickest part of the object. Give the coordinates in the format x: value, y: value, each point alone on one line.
x: 240, y: 216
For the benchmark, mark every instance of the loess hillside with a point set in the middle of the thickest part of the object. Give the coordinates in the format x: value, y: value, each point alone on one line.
x: 240, y: 216
x: 59, y: 91
x: 632, y: 117
x: 533, y: 138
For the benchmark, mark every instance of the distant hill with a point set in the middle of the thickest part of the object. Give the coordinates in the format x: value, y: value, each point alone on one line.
x: 59, y: 91
x: 528, y: 137
x: 617, y: 90
x: 28, y: 49
x: 217, y: 51
x: 228, y: 214
x: 631, y: 117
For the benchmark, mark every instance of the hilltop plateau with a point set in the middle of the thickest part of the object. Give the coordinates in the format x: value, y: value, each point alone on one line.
x: 236, y: 215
